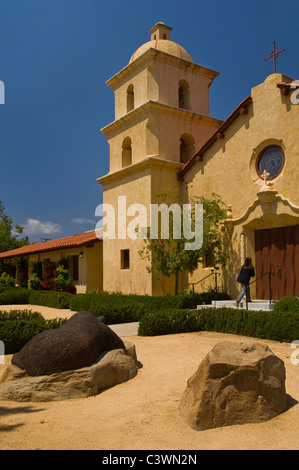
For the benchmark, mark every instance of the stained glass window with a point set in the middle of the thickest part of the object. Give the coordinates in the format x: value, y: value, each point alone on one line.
x: 271, y: 160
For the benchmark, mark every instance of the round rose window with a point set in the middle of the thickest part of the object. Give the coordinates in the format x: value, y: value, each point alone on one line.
x: 271, y: 160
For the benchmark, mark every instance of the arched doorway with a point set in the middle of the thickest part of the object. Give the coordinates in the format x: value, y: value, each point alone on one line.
x: 277, y: 252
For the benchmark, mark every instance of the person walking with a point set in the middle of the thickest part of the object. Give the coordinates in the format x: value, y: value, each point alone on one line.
x: 246, y: 272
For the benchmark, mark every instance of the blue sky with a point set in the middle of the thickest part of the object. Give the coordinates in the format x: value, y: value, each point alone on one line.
x: 55, y: 57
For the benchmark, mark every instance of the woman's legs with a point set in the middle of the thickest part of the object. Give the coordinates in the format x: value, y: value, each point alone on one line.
x: 248, y: 298
x: 245, y: 290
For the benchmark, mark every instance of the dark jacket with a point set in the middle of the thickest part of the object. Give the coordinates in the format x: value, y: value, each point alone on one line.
x: 245, y: 275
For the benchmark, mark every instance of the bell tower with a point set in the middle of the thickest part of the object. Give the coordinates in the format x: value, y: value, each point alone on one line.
x: 160, y: 31
x: 161, y: 119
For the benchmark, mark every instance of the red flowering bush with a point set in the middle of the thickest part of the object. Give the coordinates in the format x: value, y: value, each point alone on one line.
x: 56, y: 278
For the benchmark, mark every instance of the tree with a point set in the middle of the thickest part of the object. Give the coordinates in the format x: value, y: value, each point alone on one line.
x: 9, y: 232
x: 168, y: 255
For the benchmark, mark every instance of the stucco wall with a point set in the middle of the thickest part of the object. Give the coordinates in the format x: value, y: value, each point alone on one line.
x: 138, y: 188
x: 229, y: 169
x: 157, y: 78
x: 94, y: 272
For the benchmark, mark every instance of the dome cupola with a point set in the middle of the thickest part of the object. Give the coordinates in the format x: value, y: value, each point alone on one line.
x: 160, y: 40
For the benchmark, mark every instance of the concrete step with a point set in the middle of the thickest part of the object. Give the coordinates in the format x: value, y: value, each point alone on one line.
x: 254, y: 305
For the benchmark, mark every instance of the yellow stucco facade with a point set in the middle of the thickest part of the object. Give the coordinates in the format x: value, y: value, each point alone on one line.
x: 163, y: 136
x: 161, y: 118
x: 230, y: 168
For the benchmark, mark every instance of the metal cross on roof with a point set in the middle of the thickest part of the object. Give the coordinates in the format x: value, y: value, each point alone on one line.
x: 274, y: 55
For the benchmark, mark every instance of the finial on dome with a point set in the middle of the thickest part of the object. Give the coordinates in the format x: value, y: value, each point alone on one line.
x: 160, y: 31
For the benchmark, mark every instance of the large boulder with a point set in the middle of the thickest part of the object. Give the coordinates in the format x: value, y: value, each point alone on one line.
x: 236, y: 383
x: 77, y: 343
x: 112, y: 368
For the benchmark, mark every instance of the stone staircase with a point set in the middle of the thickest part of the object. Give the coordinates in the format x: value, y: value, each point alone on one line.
x: 254, y: 305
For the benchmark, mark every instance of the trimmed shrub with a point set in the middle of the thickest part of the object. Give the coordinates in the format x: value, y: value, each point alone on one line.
x: 89, y: 302
x: 124, y: 313
x: 287, y: 304
x: 116, y: 308
x: 82, y: 302
x: 271, y: 325
x: 14, y: 296
x: 61, y: 300
x: 18, y: 327
x: 20, y: 315
x: 170, y: 321
x: 2, y: 289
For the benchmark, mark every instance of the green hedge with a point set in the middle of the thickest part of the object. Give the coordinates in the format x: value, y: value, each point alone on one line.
x: 271, y: 325
x: 169, y: 321
x: 118, y: 308
x: 12, y: 296
x: 52, y: 299
x: 287, y: 304
x: 18, y: 327
x: 115, y: 308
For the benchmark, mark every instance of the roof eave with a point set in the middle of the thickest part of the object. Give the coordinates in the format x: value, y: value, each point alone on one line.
x: 218, y: 134
x: 29, y: 250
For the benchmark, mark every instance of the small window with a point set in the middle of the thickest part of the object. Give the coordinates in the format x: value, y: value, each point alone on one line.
x: 187, y: 148
x: 126, y: 152
x: 184, y: 95
x: 130, y: 98
x: 125, y: 259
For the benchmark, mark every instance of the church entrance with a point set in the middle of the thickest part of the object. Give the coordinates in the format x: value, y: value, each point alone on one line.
x: 277, y: 251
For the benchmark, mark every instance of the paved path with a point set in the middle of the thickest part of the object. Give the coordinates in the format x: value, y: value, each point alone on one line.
x: 124, y: 329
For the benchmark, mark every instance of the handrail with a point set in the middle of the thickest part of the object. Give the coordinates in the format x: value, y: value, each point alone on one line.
x: 270, y: 274
x: 211, y: 274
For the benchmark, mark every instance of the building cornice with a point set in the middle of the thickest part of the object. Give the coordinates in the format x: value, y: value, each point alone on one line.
x: 151, y: 162
x: 159, y: 107
x: 152, y: 54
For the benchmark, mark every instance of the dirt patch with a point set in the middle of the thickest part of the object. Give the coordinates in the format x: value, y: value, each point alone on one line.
x: 142, y: 414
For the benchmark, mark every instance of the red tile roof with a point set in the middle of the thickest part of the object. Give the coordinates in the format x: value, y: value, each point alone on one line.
x: 53, y: 245
x: 294, y: 84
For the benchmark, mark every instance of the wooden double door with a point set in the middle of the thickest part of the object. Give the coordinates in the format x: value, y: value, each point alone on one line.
x: 277, y: 251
